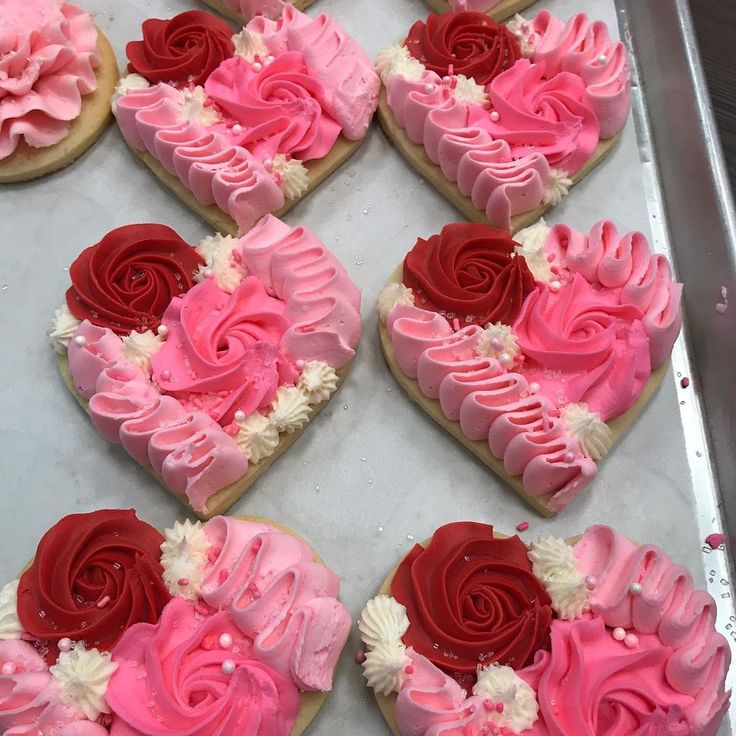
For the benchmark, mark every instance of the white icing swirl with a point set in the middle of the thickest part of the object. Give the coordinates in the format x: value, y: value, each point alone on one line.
x: 500, y: 684
x: 289, y: 410
x: 184, y: 557
x: 293, y: 173
x: 193, y: 107
x: 521, y: 28
x: 127, y: 84
x: 496, y: 340
x: 250, y: 44
x: 397, y: 60
x: 217, y: 251
x: 467, y: 89
x: 318, y: 381
x: 532, y: 240
x: 10, y: 627
x: 257, y: 438
x: 140, y: 347
x: 557, y: 187
x: 592, y: 434
x: 392, y: 295
x: 384, y: 668
x: 383, y: 621
x: 82, y: 676
x: 62, y: 329
x: 554, y: 564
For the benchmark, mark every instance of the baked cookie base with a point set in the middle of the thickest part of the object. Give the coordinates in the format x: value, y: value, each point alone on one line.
x: 27, y: 163
x: 504, y: 9
x: 416, y: 155
x: 319, y: 170
x: 480, y: 448
x: 237, y: 17
x: 223, y: 499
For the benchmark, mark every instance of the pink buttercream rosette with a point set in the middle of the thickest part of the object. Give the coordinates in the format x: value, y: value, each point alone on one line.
x: 47, y: 61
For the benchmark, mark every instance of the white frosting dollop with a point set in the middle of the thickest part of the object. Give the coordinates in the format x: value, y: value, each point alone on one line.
x: 81, y: 676
x: 497, y: 334
x: 592, y: 434
x: 383, y: 621
x: 140, y: 347
x: 554, y: 564
x: 531, y: 245
x: 184, y: 557
x: 217, y: 251
x: 62, y: 329
x: 257, y: 438
x: 294, y: 175
x: 397, y: 60
x: 10, y: 627
x: 557, y: 187
x: 250, y: 44
x: 127, y: 84
x: 467, y: 89
x: 289, y: 410
x: 318, y: 381
x: 193, y: 107
x: 521, y: 28
x: 500, y: 684
x: 384, y: 668
x: 392, y: 295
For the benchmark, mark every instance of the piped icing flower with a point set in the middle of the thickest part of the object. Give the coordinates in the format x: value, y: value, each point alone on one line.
x: 622, y: 665
x: 140, y: 347
x: 10, y: 626
x: 318, y: 381
x: 62, y: 329
x: 391, y: 296
x: 47, y: 61
x: 183, y: 558
x: 553, y: 562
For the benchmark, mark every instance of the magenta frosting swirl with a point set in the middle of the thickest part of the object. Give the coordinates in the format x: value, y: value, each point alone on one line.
x: 47, y: 61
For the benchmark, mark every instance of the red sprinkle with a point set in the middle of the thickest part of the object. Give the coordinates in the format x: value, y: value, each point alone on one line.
x: 685, y: 382
x: 499, y: 707
x: 409, y: 669
x: 360, y: 656
x: 522, y: 527
x: 715, y: 540
x: 183, y: 582
x: 223, y: 576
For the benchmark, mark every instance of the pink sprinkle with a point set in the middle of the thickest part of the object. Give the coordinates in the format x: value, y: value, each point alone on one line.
x: 456, y: 324
x: 505, y: 731
x: 715, y: 540
x: 360, y: 656
x: 409, y: 669
x: 103, y: 601
x: 236, y: 256
x: 253, y: 590
x: 255, y: 546
x: 183, y: 582
x: 232, y: 429
x: 213, y: 554
x: 487, y: 704
x: 223, y: 576
x: 202, y: 610
x: 550, y: 257
x: 451, y: 70
x: 520, y: 528
x: 499, y: 707
x: 685, y: 382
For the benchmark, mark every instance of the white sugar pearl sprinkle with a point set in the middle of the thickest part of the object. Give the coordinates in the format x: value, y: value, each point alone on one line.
x: 602, y: 59
x: 534, y: 387
x: 237, y: 129
x: 631, y: 640
x: 226, y: 641
x: 163, y: 330
x: 429, y: 88
x: 505, y: 359
x: 635, y: 588
x: 495, y: 116
x: 239, y: 415
x: 619, y: 634
x: 65, y: 644
x: 80, y: 340
x: 228, y: 667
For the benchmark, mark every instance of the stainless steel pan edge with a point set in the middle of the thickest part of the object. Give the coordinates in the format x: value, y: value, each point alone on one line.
x: 692, y: 216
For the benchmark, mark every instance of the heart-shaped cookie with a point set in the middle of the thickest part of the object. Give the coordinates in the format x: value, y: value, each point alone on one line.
x: 57, y: 74
x: 241, y: 11
x: 503, y: 120
x: 201, y: 629
x: 536, y: 353
x: 496, y: 9
x: 475, y: 633
x: 243, y: 125
x: 206, y: 363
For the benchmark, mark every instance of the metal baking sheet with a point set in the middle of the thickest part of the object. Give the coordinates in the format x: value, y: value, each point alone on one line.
x: 373, y: 473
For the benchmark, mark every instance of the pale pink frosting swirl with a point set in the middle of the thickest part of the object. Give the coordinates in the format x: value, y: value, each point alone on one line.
x: 47, y: 61
x: 279, y: 597
x: 170, y: 680
x: 100, y: 349
x: 29, y: 702
x: 222, y: 354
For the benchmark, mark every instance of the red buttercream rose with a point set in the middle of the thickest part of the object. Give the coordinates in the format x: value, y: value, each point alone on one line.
x: 472, y: 600
x: 94, y: 575
x: 182, y: 50
x: 471, y: 43
x: 468, y: 271
x: 127, y: 280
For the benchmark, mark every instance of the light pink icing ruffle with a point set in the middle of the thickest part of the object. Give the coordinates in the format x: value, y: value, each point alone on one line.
x: 669, y: 607
x: 295, y: 266
x: 189, y: 450
x: 47, y: 61
x: 585, y: 48
x: 29, y: 702
x: 334, y: 58
x: 251, y: 8
x: 170, y: 681
x: 278, y: 596
x: 522, y: 430
x: 206, y: 161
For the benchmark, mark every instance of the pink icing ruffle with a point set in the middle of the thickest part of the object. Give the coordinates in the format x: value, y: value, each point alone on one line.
x: 29, y: 702
x: 47, y: 61
x: 321, y: 298
x: 279, y: 597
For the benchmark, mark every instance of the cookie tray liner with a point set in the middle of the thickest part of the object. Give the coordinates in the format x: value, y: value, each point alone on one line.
x: 373, y: 473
